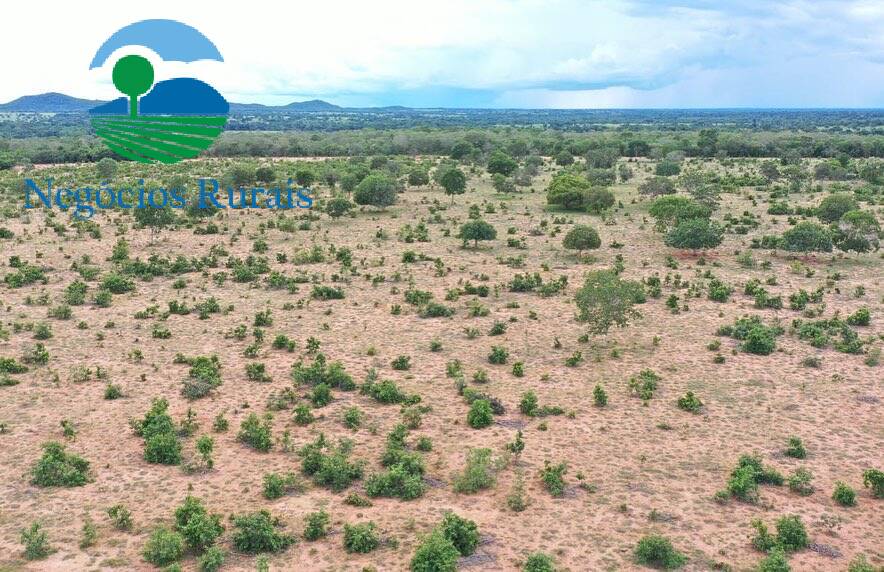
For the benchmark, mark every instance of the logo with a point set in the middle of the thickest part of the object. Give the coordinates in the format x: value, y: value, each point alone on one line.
x: 166, y: 121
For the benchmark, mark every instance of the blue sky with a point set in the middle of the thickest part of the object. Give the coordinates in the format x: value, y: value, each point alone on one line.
x: 488, y: 53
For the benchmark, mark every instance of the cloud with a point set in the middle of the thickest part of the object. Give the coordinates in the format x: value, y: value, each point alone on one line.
x: 620, y: 53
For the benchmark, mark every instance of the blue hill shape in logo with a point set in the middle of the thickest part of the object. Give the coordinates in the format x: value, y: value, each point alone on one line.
x: 177, y: 120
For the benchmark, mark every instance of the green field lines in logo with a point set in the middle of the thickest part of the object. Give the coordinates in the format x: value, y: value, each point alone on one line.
x: 164, y: 139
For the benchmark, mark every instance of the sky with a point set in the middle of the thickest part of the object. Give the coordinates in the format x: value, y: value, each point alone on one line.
x: 478, y: 53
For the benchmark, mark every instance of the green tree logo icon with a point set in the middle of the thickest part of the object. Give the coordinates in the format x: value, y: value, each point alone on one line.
x: 133, y: 75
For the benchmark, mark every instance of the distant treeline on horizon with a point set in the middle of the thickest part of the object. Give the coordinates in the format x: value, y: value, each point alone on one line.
x: 66, y: 137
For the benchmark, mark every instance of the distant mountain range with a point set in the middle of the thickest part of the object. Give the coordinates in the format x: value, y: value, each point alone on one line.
x: 61, y: 103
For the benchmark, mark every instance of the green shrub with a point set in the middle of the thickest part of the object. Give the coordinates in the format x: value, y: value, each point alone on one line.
x: 843, y: 494
x: 255, y: 433
x: 791, y: 534
x: 316, y: 525
x: 462, y: 532
x: 321, y: 395
x: 164, y: 546
x: 436, y: 553
x: 480, y: 414
x: 277, y: 485
x: 657, y: 551
x: 774, y: 562
x: 861, y: 564
x: 795, y: 448
x: 212, y: 560
x: 163, y: 449
x: 353, y: 418
x: 36, y: 542
x: 874, y: 479
x: 553, y: 477
x: 56, y: 468
x: 498, y: 355
x: 478, y: 474
x: 360, y: 538
x: 256, y: 532
x: 599, y: 397
x: 539, y: 562
x: 120, y: 517
x: 199, y: 529
x: 862, y: 317
x: 690, y: 402
x: 800, y: 482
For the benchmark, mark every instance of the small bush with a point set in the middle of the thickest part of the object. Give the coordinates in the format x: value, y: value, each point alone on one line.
x: 56, y: 468
x: 553, y: 477
x: 690, y: 402
x: 256, y: 532
x: 255, y: 433
x: 436, y: 553
x: 478, y: 474
x: 120, y: 517
x: 316, y: 525
x: 599, y: 397
x: 360, y: 538
x: 480, y: 414
x: 657, y: 551
x: 212, y: 560
x: 164, y: 546
x: 800, y: 482
x: 874, y: 479
x: 539, y: 562
x: 36, y: 542
x: 163, y: 449
x: 774, y: 562
x: 462, y: 532
x: 843, y: 494
x: 277, y: 485
x: 795, y: 448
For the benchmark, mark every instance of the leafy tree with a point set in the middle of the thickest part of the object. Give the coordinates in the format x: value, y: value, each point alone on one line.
x: 106, y: 168
x: 858, y: 231
x: 377, y: 190
x: 696, y: 233
x: 454, y: 182
x: 605, y: 300
x: 671, y: 210
x: 461, y: 150
x: 598, y: 200
x: 667, y: 168
x: 582, y: 237
x: 155, y: 218
x: 477, y: 230
x: 418, y: 176
x: 568, y: 191
x: 835, y: 206
x: 304, y: 177
x: 807, y: 237
x: 657, y: 186
x: 500, y: 162
x: 338, y: 206
x: 564, y: 158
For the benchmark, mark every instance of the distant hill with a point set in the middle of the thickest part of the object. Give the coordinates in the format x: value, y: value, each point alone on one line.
x: 61, y: 103
x: 49, y: 103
